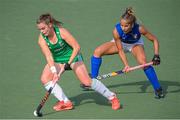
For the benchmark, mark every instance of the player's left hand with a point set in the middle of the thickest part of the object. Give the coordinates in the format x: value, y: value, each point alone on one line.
x: 67, y: 66
x: 156, y: 60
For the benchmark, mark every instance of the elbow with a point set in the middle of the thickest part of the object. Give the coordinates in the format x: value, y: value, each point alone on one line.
x: 155, y: 41
x: 77, y: 48
x: 120, y: 51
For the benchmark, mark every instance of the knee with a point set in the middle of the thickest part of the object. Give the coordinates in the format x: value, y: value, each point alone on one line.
x: 98, y: 52
x: 44, y: 79
x: 142, y: 63
x: 87, y: 83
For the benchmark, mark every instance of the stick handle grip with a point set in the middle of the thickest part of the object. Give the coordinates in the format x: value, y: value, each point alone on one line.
x: 59, y: 75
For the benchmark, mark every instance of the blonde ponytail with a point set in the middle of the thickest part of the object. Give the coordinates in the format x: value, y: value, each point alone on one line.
x: 129, y: 15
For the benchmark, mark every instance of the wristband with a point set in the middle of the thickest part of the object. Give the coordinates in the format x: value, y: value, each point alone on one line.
x: 53, y: 69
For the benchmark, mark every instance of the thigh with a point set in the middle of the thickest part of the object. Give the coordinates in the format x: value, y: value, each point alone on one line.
x: 47, y: 75
x: 80, y: 70
x: 108, y: 48
x: 139, y: 54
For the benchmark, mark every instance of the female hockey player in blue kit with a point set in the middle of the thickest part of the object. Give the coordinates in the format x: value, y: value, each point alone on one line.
x: 127, y: 38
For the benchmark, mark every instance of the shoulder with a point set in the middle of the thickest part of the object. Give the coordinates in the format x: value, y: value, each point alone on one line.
x: 142, y: 29
x: 64, y: 32
x: 118, y: 29
x: 118, y: 26
x: 41, y: 39
x: 115, y: 33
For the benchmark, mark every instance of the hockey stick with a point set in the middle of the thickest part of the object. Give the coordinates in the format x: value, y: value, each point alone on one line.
x: 112, y: 74
x: 37, y: 112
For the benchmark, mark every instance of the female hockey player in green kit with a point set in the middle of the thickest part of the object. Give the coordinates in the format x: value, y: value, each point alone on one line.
x: 62, y: 52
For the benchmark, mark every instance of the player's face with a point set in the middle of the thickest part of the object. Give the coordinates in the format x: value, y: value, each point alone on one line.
x: 44, y: 28
x: 126, y: 27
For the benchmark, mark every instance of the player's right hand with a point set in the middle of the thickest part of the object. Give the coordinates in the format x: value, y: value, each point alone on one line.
x: 126, y: 69
x: 55, y: 77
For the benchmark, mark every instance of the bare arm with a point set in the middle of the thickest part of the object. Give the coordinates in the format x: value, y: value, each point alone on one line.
x: 66, y: 35
x: 45, y: 50
x: 150, y: 37
x: 120, y: 48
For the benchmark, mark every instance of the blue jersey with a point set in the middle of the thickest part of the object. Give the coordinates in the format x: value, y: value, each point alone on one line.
x: 131, y: 37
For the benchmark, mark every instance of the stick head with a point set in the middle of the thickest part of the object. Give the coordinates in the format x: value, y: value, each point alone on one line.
x: 37, y: 114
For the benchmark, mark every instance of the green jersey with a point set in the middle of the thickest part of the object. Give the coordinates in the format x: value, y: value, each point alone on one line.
x: 61, y: 51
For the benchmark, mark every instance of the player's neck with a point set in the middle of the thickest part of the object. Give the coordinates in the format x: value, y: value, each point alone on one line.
x: 51, y: 34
